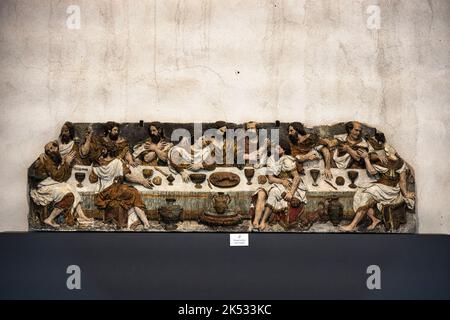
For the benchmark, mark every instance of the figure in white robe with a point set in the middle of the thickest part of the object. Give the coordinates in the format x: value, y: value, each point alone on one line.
x: 382, y: 194
x: 345, y: 160
x: 65, y: 148
x: 183, y: 157
x: 389, y: 189
x: 282, y: 169
x: 111, y: 192
x: 285, y: 186
x: 345, y: 147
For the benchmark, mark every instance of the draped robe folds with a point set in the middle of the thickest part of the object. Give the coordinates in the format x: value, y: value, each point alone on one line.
x: 281, y: 168
x: 139, y: 152
x: 111, y: 192
x: 381, y: 192
x: 98, y: 144
x: 181, y: 156
x: 310, y: 144
x: 345, y: 161
x: 66, y: 148
x: 53, y: 187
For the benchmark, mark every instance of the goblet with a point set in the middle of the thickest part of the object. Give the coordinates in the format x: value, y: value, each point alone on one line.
x: 171, y: 179
x: 315, y: 175
x: 80, y: 176
x: 249, y: 173
x: 198, y: 179
x: 352, y: 175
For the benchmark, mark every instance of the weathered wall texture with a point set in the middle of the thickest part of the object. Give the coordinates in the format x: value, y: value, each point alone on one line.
x: 204, y: 60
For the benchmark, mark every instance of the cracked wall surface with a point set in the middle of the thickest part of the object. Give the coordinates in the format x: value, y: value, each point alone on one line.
x: 203, y: 60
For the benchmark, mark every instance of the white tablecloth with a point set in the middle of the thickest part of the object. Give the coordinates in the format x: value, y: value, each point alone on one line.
x: 180, y: 186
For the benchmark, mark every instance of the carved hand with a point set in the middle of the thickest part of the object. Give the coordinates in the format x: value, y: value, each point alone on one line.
x: 150, y: 146
x: 70, y: 157
x: 328, y: 174
x: 146, y: 183
x: 382, y: 158
x: 161, y: 145
x: 363, y: 154
x: 410, y: 195
x: 286, y: 184
x: 185, y: 177
x: 354, y: 154
x: 288, y: 196
x: 312, y: 156
x: 195, y: 167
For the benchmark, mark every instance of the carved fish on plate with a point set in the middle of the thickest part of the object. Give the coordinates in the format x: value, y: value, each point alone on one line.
x: 224, y: 179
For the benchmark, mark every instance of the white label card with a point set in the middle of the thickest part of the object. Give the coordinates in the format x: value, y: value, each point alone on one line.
x: 239, y: 240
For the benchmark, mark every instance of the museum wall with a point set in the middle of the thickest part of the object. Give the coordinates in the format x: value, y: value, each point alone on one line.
x: 319, y: 62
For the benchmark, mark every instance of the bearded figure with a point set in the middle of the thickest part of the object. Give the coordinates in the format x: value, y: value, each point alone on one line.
x: 49, y: 175
x: 154, y: 150
x: 94, y: 146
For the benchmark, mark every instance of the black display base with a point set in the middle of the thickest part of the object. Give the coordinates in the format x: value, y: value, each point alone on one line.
x: 204, y: 266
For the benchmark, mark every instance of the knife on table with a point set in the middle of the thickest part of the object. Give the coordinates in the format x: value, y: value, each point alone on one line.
x: 330, y: 184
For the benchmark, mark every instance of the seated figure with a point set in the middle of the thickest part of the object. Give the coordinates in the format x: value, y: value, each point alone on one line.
x: 112, y: 192
x: 93, y: 146
x: 389, y: 189
x: 49, y: 174
x: 285, y: 187
x: 66, y: 143
x: 308, y: 148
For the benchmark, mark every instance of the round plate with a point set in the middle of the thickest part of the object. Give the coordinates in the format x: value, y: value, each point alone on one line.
x: 224, y: 179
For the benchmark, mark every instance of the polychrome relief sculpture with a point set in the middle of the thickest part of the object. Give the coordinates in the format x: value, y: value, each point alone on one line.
x: 259, y: 177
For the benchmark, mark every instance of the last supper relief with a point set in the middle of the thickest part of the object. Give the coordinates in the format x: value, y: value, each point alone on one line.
x: 249, y: 177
